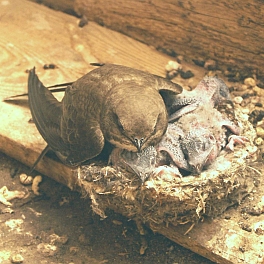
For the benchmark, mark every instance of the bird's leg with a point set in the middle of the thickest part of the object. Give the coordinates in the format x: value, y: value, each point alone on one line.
x: 234, y: 139
x: 42, y: 154
x: 231, y: 126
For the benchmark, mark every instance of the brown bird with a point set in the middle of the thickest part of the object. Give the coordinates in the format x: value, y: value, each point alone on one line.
x: 112, y: 103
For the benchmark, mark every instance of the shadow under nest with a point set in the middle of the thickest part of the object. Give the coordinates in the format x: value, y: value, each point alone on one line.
x: 171, y: 199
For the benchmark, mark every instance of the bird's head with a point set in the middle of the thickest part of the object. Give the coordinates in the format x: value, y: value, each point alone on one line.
x: 198, y: 147
x: 134, y: 122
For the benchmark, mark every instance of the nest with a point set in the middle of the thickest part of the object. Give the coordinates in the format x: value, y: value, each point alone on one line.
x: 167, y: 199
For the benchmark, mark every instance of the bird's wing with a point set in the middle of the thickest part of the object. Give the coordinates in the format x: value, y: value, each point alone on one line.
x: 165, y: 86
x: 80, y: 123
x: 46, y: 111
x: 53, y: 88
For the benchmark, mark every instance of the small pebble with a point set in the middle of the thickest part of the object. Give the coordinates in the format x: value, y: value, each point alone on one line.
x: 49, y: 66
x: 245, y: 111
x: 187, y: 75
x: 74, y: 250
x: 173, y: 65
x: 230, y: 74
x: 258, y: 141
x: 179, y: 58
x: 259, y: 228
x: 199, y: 62
x: 172, y: 69
x: 256, y: 116
x: 210, y: 65
x: 252, y: 149
x: 255, y: 99
x: 259, y: 91
x: 248, y: 95
x: 83, y: 21
x: 250, y: 82
x: 238, y: 100
x: 260, y: 132
x: 25, y: 179
x: 7, y: 210
x: 46, y: 249
x: 261, y: 122
x: 171, y: 74
x: 17, y: 258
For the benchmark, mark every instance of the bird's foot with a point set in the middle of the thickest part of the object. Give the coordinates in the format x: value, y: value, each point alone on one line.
x: 234, y: 139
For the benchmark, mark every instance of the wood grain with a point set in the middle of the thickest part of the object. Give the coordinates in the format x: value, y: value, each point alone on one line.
x: 230, y: 32
x: 33, y: 35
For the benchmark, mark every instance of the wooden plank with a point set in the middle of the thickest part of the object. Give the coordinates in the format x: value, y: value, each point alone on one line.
x: 226, y: 31
x: 35, y: 35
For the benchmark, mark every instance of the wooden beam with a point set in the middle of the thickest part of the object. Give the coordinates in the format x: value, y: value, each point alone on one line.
x: 227, y: 31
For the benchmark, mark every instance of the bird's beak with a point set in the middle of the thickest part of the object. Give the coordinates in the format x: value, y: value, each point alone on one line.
x: 138, y: 143
x: 197, y: 168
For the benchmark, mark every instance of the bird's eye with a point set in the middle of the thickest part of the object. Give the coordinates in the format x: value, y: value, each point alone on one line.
x: 211, y: 137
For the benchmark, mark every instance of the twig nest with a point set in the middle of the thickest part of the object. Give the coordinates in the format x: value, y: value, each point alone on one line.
x: 25, y: 179
x: 171, y: 199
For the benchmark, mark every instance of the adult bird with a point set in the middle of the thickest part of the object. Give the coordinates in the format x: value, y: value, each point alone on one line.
x: 111, y: 103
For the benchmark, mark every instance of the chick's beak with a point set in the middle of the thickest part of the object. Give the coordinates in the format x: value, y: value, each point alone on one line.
x: 197, y: 168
